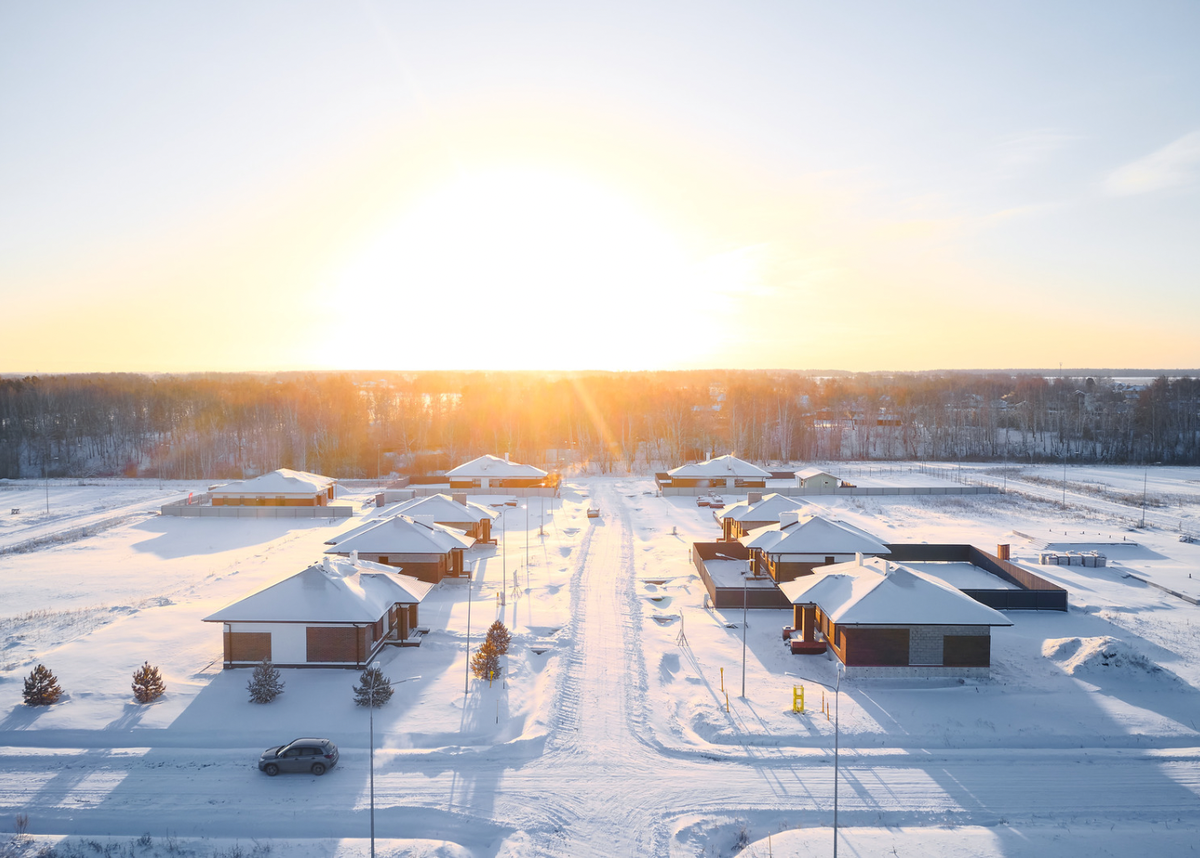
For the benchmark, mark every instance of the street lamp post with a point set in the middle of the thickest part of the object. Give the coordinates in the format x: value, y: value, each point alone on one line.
x: 837, y: 700
x: 745, y: 580
x: 467, y: 666
x: 375, y: 667
x: 1145, y: 481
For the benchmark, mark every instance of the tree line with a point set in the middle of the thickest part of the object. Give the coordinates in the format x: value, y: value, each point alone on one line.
x: 365, y: 424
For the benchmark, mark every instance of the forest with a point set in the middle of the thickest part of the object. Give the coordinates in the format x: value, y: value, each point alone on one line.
x: 368, y: 424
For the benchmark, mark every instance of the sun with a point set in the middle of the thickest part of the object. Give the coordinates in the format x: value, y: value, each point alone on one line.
x: 529, y: 269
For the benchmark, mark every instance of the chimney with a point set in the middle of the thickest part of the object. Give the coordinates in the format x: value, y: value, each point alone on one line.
x: 789, y: 518
x: 354, y: 557
x: 506, y: 458
x: 858, y: 558
x: 459, y: 497
x: 327, y: 565
x: 753, y: 497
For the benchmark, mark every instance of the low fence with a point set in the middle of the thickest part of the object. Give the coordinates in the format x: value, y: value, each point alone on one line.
x: 857, y: 491
x: 201, y: 507
x: 444, y: 489
x: 195, y: 511
x: 724, y: 598
x: 1035, y: 593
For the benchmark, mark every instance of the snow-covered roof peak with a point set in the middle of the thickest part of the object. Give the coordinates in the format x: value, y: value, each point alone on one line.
x: 494, y: 467
x: 721, y: 466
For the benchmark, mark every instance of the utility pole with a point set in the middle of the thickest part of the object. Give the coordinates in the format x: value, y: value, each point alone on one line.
x: 745, y: 580
x: 1145, y: 480
x: 837, y: 707
x: 467, y: 666
x: 371, y: 697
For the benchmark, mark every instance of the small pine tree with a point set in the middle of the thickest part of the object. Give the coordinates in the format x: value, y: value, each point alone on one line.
x: 485, y: 663
x: 41, y: 687
x: 148, y: 684
x: 372, y: 685
x: 265, y: 685
x: 499, y: 636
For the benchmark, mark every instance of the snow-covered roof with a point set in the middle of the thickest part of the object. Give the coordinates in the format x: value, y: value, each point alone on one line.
x: 279, y: 482
x: 813, y: 534
x: 445, y: 508
x: 495, y: 468
x: 879, y: 592
x: 401, y: 534
x: 439, y: 507
x: 332, y: 591
x: 721, y: 466
x: 809, y: 473
x: 766, y: 509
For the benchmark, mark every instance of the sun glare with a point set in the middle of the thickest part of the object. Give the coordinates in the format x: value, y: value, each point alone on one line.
x: 526, y: 269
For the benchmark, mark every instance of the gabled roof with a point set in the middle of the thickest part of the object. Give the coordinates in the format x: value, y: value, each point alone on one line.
x: 440, y: 507
x: 766, y: 509
x: 332, y: 591
x: 401, y: 534
x: 813, y: 534
x: 445, y: 508
x: 721, y: 466
x: 279, y: 482
x: 495, y: 468
x: 808, y: 473
x: 879, y: 592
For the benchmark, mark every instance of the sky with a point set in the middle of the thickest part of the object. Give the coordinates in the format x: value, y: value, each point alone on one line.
x: 372, y: 185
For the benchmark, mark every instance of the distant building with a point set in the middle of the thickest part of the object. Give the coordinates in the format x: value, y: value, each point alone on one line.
x: 490, y: 472
x: 336, y: 613
x: 727, y: 472
x: 452, y: 511
x: 797, y: 544
x: 757, y: 510
x: 282, y: 487
x: 815, y: 478
x: 884, y: 619
x: 421, y: 547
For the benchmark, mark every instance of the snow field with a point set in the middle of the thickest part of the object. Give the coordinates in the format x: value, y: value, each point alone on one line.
x: 614, y: 738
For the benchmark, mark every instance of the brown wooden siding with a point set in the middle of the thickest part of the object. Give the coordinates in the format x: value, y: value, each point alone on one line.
x: 247, y: 646
x: 967, y: 650
x: 876, y: 647
x: 344, y: 643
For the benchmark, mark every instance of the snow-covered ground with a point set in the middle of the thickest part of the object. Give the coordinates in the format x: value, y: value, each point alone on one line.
x: 619, y: 727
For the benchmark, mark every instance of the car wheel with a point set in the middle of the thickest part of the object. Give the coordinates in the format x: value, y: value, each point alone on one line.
x: 271, y: 769
x: 318, y: 768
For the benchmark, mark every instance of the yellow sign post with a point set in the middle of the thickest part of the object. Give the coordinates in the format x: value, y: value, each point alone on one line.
x: 798, y: 699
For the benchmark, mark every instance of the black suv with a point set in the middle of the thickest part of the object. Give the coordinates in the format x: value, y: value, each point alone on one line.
x: 301, y: 755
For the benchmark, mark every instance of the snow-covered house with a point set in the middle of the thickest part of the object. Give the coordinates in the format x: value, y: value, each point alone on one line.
x: 797, y: 544
x: 456, y: 512
x: 886, y: 619
x: 757, y: 510
x: 282, y: 487
x: 815, y: 478
x: 726, y: 472
x: 421, y: 547
x: 491, y: 472
x: 336, y: 613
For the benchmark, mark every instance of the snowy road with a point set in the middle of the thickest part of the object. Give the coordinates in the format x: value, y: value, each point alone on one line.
x: 601, y: 785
